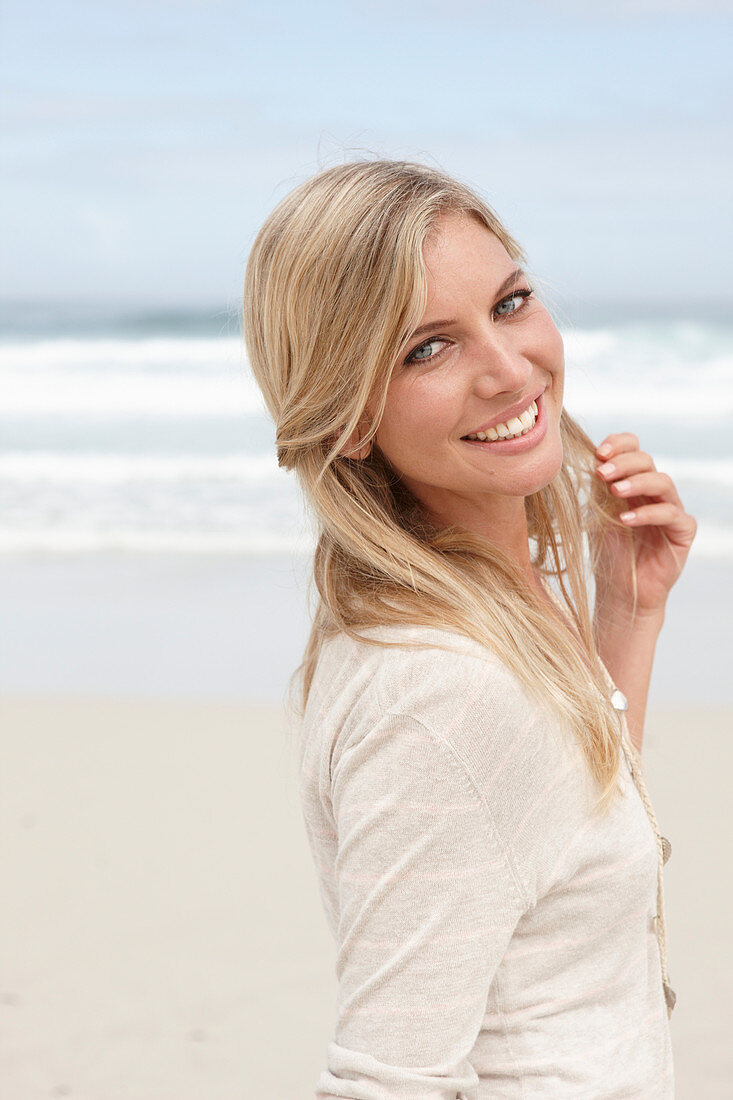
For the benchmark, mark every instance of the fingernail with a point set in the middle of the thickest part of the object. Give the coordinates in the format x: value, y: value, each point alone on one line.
x: 627, y: 517
x: 622, y: 486
x: 604, y: 450
x: 606, y: 468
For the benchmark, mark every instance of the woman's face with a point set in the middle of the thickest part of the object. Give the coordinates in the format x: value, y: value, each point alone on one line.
x: 481, y: 355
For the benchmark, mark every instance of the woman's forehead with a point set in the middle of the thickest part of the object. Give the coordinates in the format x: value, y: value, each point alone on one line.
x: 461, y: 251
x: 456, y: 226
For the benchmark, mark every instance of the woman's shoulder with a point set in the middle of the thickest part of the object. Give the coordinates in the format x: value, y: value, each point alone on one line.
x: 440, y: 687
x: 394, y: 652
x: 450, y: 683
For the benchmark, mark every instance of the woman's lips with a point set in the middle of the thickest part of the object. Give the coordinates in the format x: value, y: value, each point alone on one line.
x: 520, y: 443
x: 508, y: 414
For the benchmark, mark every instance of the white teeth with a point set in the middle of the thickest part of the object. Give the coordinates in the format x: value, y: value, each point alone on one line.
x: 518, y: 425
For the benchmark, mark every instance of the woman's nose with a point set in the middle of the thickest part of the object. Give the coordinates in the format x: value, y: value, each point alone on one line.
x: 500, y: 367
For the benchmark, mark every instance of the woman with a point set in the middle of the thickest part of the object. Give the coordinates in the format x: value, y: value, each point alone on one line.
x: 488, y: 859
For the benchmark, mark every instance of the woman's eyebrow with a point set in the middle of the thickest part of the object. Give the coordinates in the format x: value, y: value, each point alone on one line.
x: 511, y: 278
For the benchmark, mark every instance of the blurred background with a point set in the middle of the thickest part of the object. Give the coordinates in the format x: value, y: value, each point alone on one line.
x: 163, y: 935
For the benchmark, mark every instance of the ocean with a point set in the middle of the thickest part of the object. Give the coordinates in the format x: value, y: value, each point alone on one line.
x: 146, y: 432
x: 151, y: 546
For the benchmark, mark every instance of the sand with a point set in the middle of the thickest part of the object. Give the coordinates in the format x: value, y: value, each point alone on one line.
x: 161, y: 932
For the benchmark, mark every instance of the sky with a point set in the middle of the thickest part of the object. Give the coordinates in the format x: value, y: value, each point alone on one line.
x: 144, y: 143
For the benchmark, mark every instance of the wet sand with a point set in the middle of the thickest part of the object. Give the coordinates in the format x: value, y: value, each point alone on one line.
x: 234, y: 627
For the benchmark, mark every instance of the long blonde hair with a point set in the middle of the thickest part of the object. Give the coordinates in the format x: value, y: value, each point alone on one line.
x: 335, y: 283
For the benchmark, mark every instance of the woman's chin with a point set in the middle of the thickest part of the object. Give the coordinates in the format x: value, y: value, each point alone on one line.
x: 541, y: 474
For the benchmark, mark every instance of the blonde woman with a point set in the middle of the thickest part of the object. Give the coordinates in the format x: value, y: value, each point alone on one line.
x: 490, y: 591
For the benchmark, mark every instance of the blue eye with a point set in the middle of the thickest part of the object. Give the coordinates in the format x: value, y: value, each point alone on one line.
x: 416, y: 357
x: 524, y: 294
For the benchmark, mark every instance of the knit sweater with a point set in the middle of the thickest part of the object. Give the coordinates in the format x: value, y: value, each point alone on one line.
x: 494, y: 936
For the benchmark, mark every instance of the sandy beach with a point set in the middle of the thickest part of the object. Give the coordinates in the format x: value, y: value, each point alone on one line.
x: 162, y: 933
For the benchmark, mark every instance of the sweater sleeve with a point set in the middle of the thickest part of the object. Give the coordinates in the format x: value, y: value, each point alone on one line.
x: 427, y: 906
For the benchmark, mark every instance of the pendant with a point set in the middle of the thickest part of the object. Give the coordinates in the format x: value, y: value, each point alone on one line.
x: 619, y: 700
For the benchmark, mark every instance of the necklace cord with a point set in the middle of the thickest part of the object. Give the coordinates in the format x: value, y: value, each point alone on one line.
x: 664, y: 848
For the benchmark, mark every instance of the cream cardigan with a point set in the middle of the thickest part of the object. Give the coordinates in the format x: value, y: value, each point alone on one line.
x: 494, y: 937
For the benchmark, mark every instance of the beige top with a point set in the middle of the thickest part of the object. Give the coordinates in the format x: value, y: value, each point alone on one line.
x: 494, y: 937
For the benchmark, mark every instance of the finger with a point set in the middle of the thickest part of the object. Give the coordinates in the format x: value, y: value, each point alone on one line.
x: 616, y: 443
x: 625, y: 463
x: 650, y: 484
x: 674, y: 519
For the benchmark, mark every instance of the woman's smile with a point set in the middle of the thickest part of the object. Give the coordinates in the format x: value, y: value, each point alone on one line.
x: 528, y: 436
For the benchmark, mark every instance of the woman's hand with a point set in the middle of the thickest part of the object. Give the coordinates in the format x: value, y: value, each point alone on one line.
x: 663, y: 531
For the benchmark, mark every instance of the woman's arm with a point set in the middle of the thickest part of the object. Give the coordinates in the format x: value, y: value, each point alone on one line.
x: 427, y: 907
x: 663, y: 534
x: 628, y: 653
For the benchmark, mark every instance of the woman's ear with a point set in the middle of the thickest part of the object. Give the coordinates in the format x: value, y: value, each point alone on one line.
x: 354, y: 448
